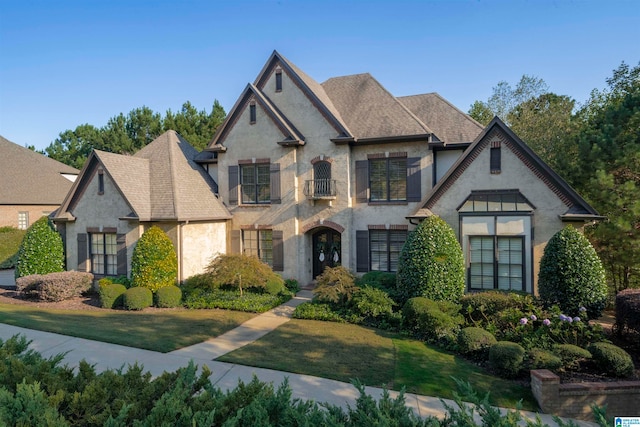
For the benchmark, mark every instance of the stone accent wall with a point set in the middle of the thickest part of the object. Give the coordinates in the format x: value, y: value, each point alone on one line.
x: 574, y: 400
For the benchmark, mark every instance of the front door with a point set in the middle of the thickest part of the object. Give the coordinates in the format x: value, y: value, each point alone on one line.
x: 327, y: 250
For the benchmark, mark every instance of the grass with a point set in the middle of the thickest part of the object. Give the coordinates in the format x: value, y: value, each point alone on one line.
x: 161, y: 331
x: 344, y: 352
x: 10, y: 239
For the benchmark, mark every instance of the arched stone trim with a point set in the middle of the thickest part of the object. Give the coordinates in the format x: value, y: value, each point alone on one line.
x: 321, y: 158
x: 322, y: 223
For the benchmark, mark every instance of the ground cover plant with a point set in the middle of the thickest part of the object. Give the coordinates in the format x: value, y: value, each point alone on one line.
x: 10, y: 239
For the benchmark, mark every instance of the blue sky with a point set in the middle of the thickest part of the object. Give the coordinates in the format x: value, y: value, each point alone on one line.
x: 65, y: 63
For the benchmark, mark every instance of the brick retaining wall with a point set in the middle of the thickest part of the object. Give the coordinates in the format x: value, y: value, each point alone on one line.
x: 574, y: 400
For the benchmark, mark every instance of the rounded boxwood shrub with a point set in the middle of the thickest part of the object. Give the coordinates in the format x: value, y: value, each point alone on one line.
x: 544, y: 359
x: 481, y: 306
x: 571, y: 275
x: 506, y: 358
x: 111, y: 295
x: 432, y: 320
x: 154, y: 263
x: 137, y: 298
x: 41, y: 250
x: 168, y: 297
x: 475, y: 342
x: 612, y: 359
x: 571, y: 355
x: 431, y: 263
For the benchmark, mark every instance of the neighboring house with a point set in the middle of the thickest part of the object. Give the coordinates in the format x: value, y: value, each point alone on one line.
x: 31, y: 185
x: 117, y: 197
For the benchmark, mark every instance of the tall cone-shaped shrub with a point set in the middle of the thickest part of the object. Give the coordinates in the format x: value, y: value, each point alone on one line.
x: 41, y: 250
x: 154, y: 263
x: 431, y: 263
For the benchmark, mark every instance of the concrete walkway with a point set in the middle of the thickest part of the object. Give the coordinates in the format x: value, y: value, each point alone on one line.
x: 224, y: 375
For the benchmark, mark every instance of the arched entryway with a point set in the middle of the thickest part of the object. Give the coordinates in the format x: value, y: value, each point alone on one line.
x: 326, y: 249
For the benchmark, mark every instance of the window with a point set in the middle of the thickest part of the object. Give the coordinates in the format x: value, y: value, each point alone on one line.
x: 255, y: 183
x: 101, y: 182
x: 23, y: 220
x: 104, y: 254
x: 252, y: 112
x: 322, y: 179
x: 388, y: 179
x: 495, y: 157
x: 384, y: 249
x: 258, y: 243
x: 496, y: 201
x: 496, y: 262
x: 278, y: 80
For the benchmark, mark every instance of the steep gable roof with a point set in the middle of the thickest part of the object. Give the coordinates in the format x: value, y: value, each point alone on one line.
x: 370, y: 110
x: 448, y: 122
x: 578, y: 208
x: 30, y: 178
x: 160, y: 182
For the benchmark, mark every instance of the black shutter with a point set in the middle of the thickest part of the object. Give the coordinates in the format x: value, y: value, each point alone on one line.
x: 235, y: 241
x: 275, y: 183
x: 362, y: 250
x: 233, y: 185
x: 362, y: 181
x: 82, y: 252
x: 414, y: 190
x: 278, y: 250
x: 121, y: 241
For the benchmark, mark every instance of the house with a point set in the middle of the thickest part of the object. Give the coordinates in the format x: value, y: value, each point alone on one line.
x: 117, y: 197
x: 307, y: 175
x: 31, y: 185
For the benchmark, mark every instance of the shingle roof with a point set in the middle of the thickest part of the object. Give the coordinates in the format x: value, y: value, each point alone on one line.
x: 30, y: 178
x: 447, y: 122
x: 369, y: 110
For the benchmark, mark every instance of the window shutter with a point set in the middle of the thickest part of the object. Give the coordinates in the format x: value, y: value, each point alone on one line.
x: 362, y: 250
x: 275, y: 183
x: 233, y: 185
x: 414, y: 191
x: 82, y: 252
x: 121, y: 241
x: 278, y: 250
x: 362, y: 182
x: 235, y: 241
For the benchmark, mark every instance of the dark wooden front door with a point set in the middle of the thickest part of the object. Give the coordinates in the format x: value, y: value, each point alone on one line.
x: 327, y: 250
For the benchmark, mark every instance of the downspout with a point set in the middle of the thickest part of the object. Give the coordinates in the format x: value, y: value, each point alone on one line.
x: 179, y: 254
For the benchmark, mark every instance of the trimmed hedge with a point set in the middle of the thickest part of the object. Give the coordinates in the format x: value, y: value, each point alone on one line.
x: 612, y: 359
x: 507, y: 358
x: 137, y: 298
x: 168, y: 297
x: 55, y: 286
x: 154, y: 263
x: 628, y: 311
x: 41, y: 250
x: 544, y: 359
x: 571, y: 355
x: 479, y: 307
x: 431, y: 320
x: 111, y: 295
x: 475, y: 342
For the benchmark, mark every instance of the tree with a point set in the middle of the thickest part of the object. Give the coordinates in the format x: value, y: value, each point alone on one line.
x: 195, y: 126
x: 41, y: 251
x: 72, y: 147
x: 431, y: 263
x: 154, y: 263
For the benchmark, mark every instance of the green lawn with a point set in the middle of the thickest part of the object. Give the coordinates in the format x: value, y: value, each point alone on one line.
x: 343, y: 352
x: 163, y: 331
x: 10, y: 239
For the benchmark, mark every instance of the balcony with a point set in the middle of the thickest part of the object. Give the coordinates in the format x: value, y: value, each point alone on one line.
x: 320, y: 189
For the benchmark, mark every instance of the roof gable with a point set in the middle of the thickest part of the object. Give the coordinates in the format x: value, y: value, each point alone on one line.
x: 577, y: 206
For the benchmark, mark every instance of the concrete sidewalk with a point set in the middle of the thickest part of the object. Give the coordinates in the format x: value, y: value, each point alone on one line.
x: 7, y: 279
x: 224, y: 375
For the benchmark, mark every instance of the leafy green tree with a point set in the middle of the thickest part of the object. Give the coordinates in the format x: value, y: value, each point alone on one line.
x: 195, y: 126
x: 41, y: 251
x: 154, y: 263
x: 571, y: 275
x: 431, y: 263
x: 72, y: 147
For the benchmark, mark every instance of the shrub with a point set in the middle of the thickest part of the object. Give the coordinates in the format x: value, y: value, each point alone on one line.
x: 316, y: 311
x: 233, y: 300
x: 612, y: 359
x: 168, y: 297
x: 335, y: 285
x: 479, y: 308
x: 628, y: 311
x: 571, y: 274
x: 111, y: 295
x: 571, y: 355
x: 432, y: 320
x: 55, y: 286
x: 292, y: 285
x: 379, y: 279
x: 475, y: 342
x: 137, y: 298
x: 154, y: 263
x: 431, y: 263
x: 544, y: 359
x: 198, y: 281
x: 275, y: 285
x: 105, y: 281
x: 241, y: 272
x: 41, y: 250
x: 371, y: 302
x: 506, y: 358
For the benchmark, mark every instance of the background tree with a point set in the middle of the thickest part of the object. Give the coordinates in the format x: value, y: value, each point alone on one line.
x: 195, y: 126
x: 72, y: 147
x: 41, y: 251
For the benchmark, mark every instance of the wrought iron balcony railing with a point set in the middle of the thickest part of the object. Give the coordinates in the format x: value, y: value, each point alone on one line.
x: 318, y: 189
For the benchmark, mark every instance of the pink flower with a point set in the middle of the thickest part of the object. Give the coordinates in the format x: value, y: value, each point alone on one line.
x: 533, y: 317
x: 546, y: 322
x: 523, y: 321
